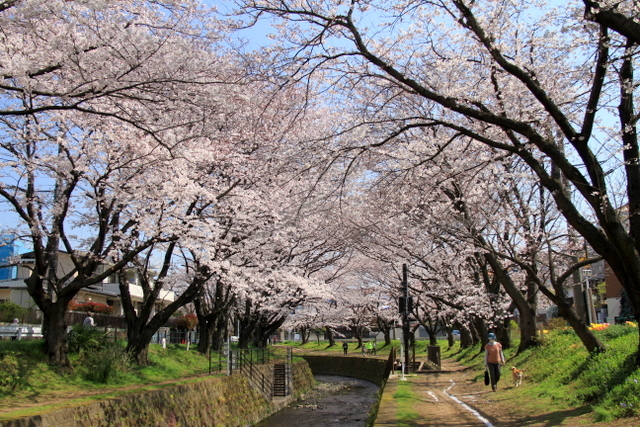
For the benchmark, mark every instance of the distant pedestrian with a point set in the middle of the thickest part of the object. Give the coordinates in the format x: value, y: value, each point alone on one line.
x: 18, y: 334
x: 88, y: 321
x: 364, y: 349
x: 373, y: 349
x: 369, y: 347
x: 493, y: 360
x: 345, y: 347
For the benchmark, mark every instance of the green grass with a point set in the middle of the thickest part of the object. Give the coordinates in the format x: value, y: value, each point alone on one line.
x: 560, y: 375
x: 26, y: 378
x: 406, y: 399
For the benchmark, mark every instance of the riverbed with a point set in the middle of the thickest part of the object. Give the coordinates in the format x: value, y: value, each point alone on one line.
x: 335, y: 401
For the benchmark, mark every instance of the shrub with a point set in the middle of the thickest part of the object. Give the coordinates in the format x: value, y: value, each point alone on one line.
x: 105, y: 363
x: 616, y: 331
x: 10, y: 310
x: 10, y: 372
x: 556, y: 323
x: 82, y: 339
x: 100, y: 359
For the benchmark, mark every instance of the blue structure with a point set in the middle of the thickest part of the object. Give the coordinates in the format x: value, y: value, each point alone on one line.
x: 8, y: 248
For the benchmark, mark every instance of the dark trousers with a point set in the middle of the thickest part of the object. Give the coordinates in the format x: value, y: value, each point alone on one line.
x: 494, y: 373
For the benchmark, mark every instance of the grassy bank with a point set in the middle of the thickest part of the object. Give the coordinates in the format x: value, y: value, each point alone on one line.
x: 560, y: 374
x: 560, y: 378
x: 26, y: 379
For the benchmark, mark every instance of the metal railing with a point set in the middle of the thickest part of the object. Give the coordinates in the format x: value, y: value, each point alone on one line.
x: 246, y: 361
x: 217, y: 361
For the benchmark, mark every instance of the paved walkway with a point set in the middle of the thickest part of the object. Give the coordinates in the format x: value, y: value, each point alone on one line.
x: 448, y: 398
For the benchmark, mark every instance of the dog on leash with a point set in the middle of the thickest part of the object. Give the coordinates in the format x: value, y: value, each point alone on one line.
x: 517, y: 376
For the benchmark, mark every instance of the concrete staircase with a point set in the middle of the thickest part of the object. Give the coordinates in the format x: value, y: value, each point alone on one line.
x: 280, y: 388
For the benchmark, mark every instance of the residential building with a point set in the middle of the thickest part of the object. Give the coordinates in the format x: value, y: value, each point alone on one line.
x: 614, y: 295
x: 14, y: 288
x: 8, y: 249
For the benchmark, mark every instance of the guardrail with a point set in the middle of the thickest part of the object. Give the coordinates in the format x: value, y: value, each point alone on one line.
x: 20, y: 331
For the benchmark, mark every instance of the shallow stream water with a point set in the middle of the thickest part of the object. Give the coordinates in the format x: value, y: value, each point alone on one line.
x: 335, y: 401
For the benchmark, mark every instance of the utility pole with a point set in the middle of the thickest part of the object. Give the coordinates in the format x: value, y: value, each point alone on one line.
x: 405, y: 308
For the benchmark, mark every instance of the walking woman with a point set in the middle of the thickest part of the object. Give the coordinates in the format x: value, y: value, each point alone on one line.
x: 493, y: 360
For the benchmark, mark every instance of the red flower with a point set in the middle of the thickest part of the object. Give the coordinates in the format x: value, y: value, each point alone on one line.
x: 93, y: 307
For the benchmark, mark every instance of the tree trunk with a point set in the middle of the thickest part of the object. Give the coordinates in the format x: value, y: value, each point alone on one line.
x: 329, y: 335
x: 244, y: 336
x: 357, y: 334
x: 267, y: 326
x: 480, y: 328
x: 567, y: 312
x: 385, y: 327
x: 475, y: 334
x: 205, y: 334
x: 528, y: 329
x: 140, y: 352
x: 588, y: 338
x: 527, y: 310
x: 450, y: 339
x: 504, y: 333
x: 55, y: 335
x: 213, y: 331
x: 141, y: 329
x: 304, y: 335
x: 219, y: 334
x: 431, y: 328
x: 465, y: 338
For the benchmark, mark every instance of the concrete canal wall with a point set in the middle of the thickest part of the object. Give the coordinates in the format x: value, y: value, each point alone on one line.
x: 365, y: 368
x: 220, y: 401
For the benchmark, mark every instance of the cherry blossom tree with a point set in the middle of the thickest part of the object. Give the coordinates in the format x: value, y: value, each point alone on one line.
x: 386, y: 312
x: 304, y: 318
x: 131, y: 61
x: 538, y: 241
x: 96, y: 100
x: 264, y: 304
x: 533, y: 80
x: 213, y: 308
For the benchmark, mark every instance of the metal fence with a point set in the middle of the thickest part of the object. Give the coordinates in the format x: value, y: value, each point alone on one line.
x: 245, y: 361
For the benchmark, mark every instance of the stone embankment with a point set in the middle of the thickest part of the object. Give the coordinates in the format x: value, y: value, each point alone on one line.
x: 220, y: 401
